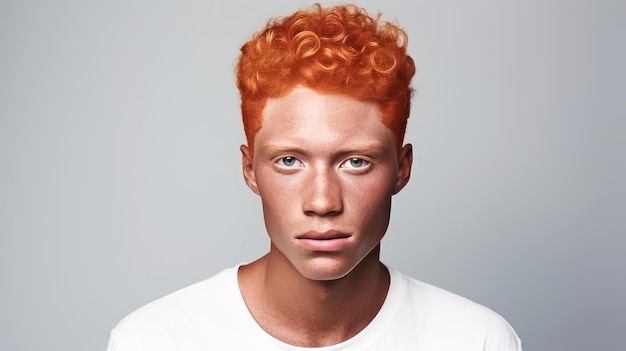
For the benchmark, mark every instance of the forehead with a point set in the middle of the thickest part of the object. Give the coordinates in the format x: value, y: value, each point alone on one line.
x: 306, y: 113
x: 302, y: 97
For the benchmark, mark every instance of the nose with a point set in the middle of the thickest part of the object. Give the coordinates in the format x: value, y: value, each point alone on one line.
x: 322, y: 194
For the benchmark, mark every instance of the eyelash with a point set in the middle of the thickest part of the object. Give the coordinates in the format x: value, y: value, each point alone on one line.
x: 345, y: 164
x: 281, y: 162
x: 365, y: 163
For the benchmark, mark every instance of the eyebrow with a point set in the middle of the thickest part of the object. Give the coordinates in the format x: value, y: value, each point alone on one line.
x: 370, y: 148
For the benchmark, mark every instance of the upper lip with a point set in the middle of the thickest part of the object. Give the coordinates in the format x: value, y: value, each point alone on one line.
x: 327, y: 235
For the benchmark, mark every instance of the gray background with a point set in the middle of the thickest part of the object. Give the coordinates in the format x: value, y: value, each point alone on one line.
x: 120, y: 179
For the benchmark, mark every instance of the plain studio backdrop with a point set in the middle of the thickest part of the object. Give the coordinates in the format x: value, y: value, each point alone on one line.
x: 120, y: 174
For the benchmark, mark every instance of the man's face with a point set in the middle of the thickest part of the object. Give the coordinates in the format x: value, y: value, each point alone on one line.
x: 326, y: 168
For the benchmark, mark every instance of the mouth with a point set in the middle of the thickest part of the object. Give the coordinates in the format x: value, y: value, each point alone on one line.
x: 327, y: 241
x: 327, y: 235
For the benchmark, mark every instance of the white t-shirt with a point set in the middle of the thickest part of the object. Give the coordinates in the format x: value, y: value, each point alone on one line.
x: 212, y: 315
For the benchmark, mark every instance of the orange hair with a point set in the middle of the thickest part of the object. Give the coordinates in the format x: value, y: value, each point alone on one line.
x: 339, y: 50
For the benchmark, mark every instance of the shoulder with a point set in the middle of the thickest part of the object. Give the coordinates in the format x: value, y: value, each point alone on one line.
x: 188, y: 312
x: 443, y: 314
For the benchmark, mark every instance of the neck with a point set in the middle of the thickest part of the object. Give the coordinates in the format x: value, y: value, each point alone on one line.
x: 313, y: 313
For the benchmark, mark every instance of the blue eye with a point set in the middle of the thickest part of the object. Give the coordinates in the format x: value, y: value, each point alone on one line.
x: 288, y: 161
x: 356, y: 163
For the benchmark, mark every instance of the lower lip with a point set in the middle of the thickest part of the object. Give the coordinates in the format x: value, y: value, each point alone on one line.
x: 324, y: 245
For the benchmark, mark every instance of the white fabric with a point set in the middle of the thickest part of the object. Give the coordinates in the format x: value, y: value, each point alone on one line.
x: 211, y: 315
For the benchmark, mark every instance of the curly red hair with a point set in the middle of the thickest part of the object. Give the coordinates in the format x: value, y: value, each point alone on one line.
x: 339, y: 50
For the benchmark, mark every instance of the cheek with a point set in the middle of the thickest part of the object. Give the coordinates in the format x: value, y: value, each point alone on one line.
x: 278, y: 196
x: 372, y: 200
x: 272, y: 200
x: 372, y: 190
x: 274, y: 210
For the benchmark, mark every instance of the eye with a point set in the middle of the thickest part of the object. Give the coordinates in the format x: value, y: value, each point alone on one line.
x: 289, y: 162
x: 355, y: 163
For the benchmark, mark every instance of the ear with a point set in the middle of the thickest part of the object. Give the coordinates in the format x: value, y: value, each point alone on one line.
x: 405, y: 161
x: 248, y: 168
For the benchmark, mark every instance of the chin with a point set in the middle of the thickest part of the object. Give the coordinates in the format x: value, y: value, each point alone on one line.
x: 325, y: 269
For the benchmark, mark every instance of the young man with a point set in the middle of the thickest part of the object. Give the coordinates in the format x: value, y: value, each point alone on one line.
x: 325, y: 99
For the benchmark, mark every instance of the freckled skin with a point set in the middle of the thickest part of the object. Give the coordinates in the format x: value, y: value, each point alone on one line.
x: 340, y: 174
x: 324, y: 165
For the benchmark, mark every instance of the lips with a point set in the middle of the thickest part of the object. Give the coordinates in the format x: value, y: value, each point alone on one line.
x: 327, y: 235
x: 327, y: 241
